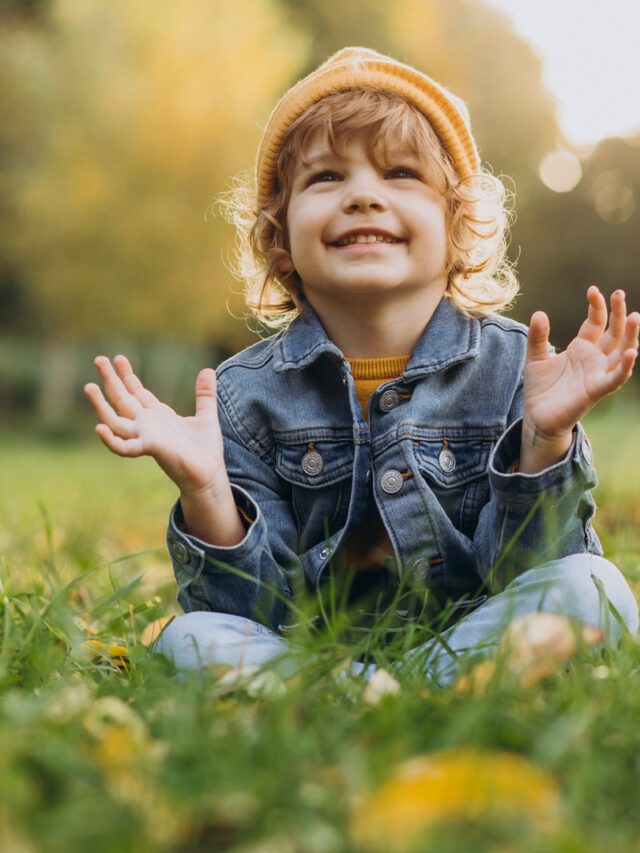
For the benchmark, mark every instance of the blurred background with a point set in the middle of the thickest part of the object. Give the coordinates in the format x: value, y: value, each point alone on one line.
x: 120, y: 121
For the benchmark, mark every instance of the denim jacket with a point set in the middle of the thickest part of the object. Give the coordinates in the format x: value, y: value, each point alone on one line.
x: 436, y: 452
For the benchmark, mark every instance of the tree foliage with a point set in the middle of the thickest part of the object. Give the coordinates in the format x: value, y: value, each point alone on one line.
x: 135, y: 120
x: 119, y: 122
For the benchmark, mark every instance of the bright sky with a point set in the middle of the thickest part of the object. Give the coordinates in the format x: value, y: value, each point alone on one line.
x: 591, y: 61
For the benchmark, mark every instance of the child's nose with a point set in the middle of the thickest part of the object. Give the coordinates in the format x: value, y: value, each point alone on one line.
x: 364, y: 194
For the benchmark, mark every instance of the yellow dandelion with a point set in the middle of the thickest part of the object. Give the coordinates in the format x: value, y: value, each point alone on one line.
x: 98, y: 650
x: 457, y: 784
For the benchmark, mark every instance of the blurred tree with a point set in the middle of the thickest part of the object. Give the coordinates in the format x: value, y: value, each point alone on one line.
x: 132, y: 119
x: 586, y: 236
x: 119, y: 122
x: 23, y: 8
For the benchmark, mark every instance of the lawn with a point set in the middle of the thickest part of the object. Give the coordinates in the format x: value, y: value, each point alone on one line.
x: 106, y: 753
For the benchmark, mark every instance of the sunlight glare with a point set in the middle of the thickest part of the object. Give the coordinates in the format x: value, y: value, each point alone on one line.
x: 560, y: 171
x: 590, y: 62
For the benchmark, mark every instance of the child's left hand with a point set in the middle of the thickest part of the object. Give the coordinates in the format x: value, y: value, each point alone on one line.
x: 560, y: 389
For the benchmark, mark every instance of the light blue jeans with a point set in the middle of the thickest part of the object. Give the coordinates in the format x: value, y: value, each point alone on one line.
x: 582, y: 586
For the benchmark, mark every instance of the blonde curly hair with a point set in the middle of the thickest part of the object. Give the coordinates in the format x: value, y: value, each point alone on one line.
x: 480, y: 278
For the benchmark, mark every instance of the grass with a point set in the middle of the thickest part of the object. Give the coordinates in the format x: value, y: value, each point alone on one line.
x: 95, y: 756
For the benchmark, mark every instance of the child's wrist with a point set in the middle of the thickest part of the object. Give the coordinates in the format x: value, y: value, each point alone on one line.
x: 211, y: 514
x: 211, y: 492
x: 539, y: 451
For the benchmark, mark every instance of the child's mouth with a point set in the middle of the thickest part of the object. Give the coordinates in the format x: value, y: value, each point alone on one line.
x: 364, y: 240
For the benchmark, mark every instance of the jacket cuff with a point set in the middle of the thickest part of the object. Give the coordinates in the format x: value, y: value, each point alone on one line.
x: 515, y: 487
x: 190, y: 554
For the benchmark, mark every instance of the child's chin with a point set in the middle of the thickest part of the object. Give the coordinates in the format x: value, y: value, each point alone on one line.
x: 372, y: 284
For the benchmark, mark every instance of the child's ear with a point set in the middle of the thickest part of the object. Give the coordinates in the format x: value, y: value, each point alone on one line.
x: 285, y: 265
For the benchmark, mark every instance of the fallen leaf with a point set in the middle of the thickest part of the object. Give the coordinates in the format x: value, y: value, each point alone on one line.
x: 476, y: 681
x: 533, y: 647
x: 154, y: 629
x: 536, y: 645
x: 457, y: 784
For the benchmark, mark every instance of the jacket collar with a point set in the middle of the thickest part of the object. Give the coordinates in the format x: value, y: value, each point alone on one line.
x: 449, y: 337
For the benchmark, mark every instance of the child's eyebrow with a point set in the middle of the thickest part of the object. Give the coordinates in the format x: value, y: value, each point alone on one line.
x: 405, y: 154
x: 316, y: 159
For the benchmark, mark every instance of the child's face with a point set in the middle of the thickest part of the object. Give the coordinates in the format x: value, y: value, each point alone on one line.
x: 337, y: 196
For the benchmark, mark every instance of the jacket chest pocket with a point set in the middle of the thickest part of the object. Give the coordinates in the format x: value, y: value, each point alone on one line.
x: 456, y: 472
x: 320, y: 474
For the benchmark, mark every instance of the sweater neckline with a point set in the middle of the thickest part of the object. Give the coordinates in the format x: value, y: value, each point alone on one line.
x: 378, y: 368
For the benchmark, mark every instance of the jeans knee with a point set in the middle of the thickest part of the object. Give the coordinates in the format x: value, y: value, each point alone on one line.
x: 611, y: 584
x: 202, y: 638
x: 181, y: 631
x: 593, y: 590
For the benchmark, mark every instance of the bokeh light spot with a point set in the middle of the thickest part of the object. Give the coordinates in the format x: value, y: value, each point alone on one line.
x: 560, y: 171
x: 613, y: 198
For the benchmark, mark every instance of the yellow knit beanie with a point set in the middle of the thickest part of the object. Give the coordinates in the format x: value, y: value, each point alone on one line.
x: 359, y: 67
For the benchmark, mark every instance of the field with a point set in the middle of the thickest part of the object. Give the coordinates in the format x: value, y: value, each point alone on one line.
x: 103, y: 749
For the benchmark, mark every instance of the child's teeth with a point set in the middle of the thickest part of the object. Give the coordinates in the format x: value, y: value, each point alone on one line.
x: 365, y: 238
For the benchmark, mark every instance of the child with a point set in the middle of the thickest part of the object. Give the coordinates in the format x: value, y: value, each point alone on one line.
x: 396, y: 426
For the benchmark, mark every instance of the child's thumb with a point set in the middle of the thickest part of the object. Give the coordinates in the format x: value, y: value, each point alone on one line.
x: 206, y: 391
x: 538, y: 337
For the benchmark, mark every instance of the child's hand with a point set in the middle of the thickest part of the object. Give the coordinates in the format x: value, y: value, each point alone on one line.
x: 189, y: 450
x: 560, y: 389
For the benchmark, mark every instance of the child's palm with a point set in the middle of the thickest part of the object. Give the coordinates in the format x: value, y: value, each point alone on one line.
x: 188, y: 449
x: 560, y: 389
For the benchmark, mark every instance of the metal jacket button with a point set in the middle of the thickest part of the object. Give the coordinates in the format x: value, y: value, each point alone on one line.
x: 447, y: 460
x: 312, y: 463
x: 180, y: 553
x: 325, y: 553
x: 391, y: 481
x: 421, y: 569
x: 389, y: 400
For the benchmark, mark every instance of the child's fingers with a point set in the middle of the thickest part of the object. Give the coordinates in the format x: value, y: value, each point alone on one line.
x: 538, y: 337
x: 131, y: 381
x: 123, y: 401
x: 617, y: 322
x: 629, y: 340
x: 206, y: 402
x: 632, y: 331
x: 121, y: 446
x: 123, y: 427
x: 622, y: 371
x: 596, y: 321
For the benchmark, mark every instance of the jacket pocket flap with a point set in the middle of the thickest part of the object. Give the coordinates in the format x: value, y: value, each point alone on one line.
x: 453, y: 462
x: 315, y: 465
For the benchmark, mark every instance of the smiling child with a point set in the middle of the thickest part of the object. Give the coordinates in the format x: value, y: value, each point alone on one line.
x: 396, y: 429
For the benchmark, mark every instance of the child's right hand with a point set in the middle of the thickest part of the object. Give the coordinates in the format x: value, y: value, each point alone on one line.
x: 188, y: 449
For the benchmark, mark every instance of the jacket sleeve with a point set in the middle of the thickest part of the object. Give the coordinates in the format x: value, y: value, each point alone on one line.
x: 256, y: 577
x: 532, y: 519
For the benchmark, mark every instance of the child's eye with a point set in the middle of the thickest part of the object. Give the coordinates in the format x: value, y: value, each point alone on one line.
x: 324, y: 177
x: 402, y: 172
